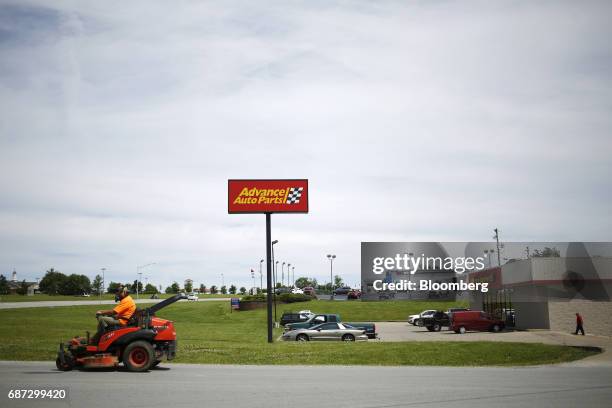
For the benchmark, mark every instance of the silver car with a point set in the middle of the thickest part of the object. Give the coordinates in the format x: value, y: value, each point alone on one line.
x: 326, y: 332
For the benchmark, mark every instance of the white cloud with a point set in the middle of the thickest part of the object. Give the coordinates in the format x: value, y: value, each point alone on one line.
x: 428, y: 121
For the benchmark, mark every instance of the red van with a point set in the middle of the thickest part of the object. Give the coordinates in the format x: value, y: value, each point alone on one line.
x: 475, y: 320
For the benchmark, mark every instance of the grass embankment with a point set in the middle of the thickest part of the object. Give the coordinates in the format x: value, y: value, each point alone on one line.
x: 42, y: 297
x: 209, y: 333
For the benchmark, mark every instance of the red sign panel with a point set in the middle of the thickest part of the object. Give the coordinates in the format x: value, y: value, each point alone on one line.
x: 267, y: 196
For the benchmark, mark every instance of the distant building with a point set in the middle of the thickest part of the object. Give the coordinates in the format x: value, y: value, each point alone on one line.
x: 546, y: 293
x: 14, y: 285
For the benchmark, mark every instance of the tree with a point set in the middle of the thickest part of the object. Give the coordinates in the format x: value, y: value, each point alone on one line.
x: 213, y: 290
x: 169, y: 289
x: 4, y: 287
x: 202, y: 288
x: 52, y: 282
x: 113, y: 287
x: 76, y: 285
x: 188, y: 287
x: 546, y: 253
x: 223, y: 290
x: 338, y: 282
x: 175, y: 287
x: 303, y: 282
x: 136, y: 284
x: 232, y: 290
x: 23, y: 288
x: 242, y: 290
x: 150, y: 288
x: 96, y: 285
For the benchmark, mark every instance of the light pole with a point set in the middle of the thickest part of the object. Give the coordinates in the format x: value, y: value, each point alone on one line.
x: 103, y: 270
x: 289, y: 275
x: 222, y: 280
x: 331, y: 274
x: 489, y: 253
x: 283, y: 274
x: 260, y: 276
x: 138, y: 268
x: 253, y: 277
x: 277, y: 262
x: 293, y: 274
x: 274, y: 269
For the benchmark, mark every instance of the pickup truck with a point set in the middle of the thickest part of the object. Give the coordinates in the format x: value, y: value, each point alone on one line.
x: 435, y: 322
x: 370, y: 328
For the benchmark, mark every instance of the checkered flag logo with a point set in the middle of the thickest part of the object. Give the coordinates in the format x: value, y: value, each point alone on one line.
x: 295, y: 193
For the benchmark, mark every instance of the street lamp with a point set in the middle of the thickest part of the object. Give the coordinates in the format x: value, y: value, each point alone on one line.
x: 489, y: 253
x: 222, y: 280
x: 274, y: 270
x: 100, y: 292
x: 283, y: 274
x: 331, y: 274
x: 288, y: 275
x: 293, y: 271
x: 138, y: 268
x: 260, y: 276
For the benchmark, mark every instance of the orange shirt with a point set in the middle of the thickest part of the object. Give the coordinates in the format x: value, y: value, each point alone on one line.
x: 125, y: 309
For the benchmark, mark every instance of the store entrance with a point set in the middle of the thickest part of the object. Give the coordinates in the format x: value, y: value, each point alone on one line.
x: 499, y: 305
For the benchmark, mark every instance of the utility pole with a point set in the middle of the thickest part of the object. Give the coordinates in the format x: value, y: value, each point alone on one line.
x: 260, y: 276
x: 331, y: 274
x: 103, y: 284
x: 497, y: 241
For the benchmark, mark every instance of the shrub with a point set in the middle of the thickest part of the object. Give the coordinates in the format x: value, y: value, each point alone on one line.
x: 293, y: 298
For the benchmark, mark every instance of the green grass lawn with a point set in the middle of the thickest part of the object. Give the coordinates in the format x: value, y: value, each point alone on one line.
x: 208, y: 332
x: 42, y: 297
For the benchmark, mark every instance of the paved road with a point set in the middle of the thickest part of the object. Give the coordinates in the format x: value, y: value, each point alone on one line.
x: 181, y: 385
x: 54, y: 303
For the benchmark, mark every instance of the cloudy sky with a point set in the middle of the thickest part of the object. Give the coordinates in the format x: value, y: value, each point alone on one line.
x: 427, y: 120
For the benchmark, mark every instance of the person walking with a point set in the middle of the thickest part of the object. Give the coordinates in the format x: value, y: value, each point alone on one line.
x: 579, y: 322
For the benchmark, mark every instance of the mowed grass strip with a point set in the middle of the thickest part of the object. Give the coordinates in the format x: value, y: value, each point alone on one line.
x: 208, y: 332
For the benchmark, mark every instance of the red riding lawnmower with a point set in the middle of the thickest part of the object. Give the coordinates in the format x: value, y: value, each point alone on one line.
x: 140, y: 345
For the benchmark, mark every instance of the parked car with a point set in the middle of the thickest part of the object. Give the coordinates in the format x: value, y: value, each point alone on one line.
x: 327, y: 332
x: 297, y: 291
x: 435, y: 321
x: 475, y: 320
x: 354, y: 294
x: 370, y: 328
x: 344, y: 290
x: 280, y: 291
x: 456, y: 309
x: 414, y: 319
x: 307, y: 313
x: 310, y: 291
x: 192, y: 296
x: 294, y: 317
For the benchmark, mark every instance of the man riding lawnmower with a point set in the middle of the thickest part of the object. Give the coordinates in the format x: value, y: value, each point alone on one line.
x: 135, y: 337
x: 119, y: 316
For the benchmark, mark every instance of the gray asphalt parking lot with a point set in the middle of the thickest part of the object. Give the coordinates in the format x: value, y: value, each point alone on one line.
x: 403, y: 331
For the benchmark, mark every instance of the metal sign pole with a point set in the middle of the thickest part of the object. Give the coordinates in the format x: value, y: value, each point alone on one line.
x: 269, y: 273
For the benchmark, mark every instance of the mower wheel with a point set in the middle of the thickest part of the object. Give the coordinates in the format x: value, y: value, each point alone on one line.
x: 138, y: 356
x: 155, y: 363
x: 67, y: 366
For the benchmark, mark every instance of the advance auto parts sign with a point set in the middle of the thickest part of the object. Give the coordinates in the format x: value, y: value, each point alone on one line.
x: 267, y: 196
